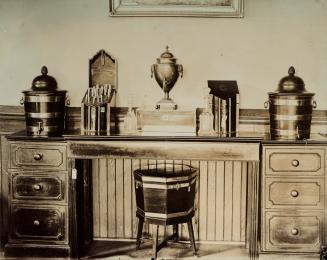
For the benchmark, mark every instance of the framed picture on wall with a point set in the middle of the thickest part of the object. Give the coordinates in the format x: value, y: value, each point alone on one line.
x: 192, y: 8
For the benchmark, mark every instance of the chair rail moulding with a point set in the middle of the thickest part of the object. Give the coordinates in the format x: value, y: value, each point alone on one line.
x: 183, y: 8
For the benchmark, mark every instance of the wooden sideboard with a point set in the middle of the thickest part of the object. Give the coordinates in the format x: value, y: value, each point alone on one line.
x: 293, y: 197
x: 56, y: 187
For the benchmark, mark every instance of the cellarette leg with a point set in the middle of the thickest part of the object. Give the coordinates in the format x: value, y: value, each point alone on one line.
x: 155, y: 234
x: 139, y: 232
x: 175, y: 232
x: 191, y: 234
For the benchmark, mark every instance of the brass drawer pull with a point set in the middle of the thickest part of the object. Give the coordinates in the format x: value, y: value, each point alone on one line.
x: 38, y: 156
x: 37, y: 187
x: 295, y: 163
x: 295, y: 231
x: 36, y: 222
x: 294, y: 193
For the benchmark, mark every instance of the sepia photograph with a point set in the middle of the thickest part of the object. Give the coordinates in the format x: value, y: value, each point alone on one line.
x: 163, y: 129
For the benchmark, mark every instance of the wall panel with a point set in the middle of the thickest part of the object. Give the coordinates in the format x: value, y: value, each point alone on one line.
x: 220, y: 200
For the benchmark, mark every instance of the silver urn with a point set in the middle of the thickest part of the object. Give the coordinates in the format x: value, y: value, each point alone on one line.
x: 166, y: 72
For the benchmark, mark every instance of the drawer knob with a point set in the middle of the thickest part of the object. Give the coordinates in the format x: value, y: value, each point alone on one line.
x: 37, y: 187
x: 294, y: 193
x: 36, y: 222
x: 37, y: 156
x: 295, y: 163
x: 295, y: 231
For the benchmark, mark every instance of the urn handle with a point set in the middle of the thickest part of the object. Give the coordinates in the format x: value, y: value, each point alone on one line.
x: 180, y: 70
x: 152, y: 69
x: 266, y: 104
x: 314, y: 104
x: 67, y: 101
x: 21, y: 101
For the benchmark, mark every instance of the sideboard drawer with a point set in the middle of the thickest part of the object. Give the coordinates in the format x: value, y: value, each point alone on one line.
x: 38, y: 155
x: 295, y: 193
x: 38, y: 186
x: 295, y: 161
x: 38, y: 223
x: 293, y: 231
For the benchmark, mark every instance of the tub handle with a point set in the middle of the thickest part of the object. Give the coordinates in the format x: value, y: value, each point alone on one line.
x: 40, y: 127
x: 266, y: 104
x: 67, y: 101
x: 314, y: 104
x: 21, y: 101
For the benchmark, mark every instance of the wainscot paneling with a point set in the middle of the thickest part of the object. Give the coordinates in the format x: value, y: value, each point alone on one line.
x: 220, y: 200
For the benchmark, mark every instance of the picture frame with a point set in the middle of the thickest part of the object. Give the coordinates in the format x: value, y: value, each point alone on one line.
x: 175, y: 8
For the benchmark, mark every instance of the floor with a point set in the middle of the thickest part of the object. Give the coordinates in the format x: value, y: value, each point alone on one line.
x: 126, y: 250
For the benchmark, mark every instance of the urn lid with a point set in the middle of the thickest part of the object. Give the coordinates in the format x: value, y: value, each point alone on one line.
x: 44, y: 82
x: 166, y: 57
x: 291, y: 83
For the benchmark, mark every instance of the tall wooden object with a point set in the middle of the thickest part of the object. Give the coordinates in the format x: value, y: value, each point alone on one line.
x: 103, y: 70
x: 100, y: 96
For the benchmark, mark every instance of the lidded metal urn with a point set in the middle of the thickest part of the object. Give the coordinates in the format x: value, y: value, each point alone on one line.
x: 166, y: 72
x: 44, y: 106
x: 290, y: 109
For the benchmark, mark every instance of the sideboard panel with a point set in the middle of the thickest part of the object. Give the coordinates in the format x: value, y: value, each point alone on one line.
x: 220, y: 199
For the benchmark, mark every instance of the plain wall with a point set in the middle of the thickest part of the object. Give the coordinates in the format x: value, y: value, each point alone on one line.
x: 256, y: 50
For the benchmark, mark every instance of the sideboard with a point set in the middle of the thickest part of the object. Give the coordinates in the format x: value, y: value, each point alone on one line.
x: 245, y: 194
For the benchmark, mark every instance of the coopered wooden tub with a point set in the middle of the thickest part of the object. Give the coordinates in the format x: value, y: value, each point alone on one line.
x: 165, y: 196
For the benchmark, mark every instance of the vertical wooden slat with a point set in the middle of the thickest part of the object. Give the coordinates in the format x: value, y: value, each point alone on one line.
x: 228, y: 218
x: 120, y: 197
x: 128, y: 225
x: 96, y: 198
x: 243, y: 200
x: 211, y: 209
x: 220, y: 198
x: 111, y: 171
x: 203, y: 200
x: 135, y: 165
x: 249, y: 204
x: 237, y: 187
x: 195, y: 220
x: 103, y: 196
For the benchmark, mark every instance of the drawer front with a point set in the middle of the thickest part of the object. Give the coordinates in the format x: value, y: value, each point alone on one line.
x: 298, y: 161
x: 297, y: 193
x: 38, y: 223
x: 39, y: 186
x: 293, y: 232
x: 38, y: 155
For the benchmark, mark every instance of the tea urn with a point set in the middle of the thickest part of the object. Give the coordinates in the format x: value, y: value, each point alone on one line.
x: 166, y: 72
x: 44, y: 106
x: 290, y: 109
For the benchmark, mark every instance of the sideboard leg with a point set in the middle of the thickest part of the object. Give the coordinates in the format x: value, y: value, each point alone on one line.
x: 253, y: 200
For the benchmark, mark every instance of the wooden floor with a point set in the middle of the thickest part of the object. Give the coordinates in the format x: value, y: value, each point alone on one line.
x: 126, y: 250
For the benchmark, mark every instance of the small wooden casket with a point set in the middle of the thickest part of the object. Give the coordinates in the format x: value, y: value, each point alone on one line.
x: 165, y: 193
